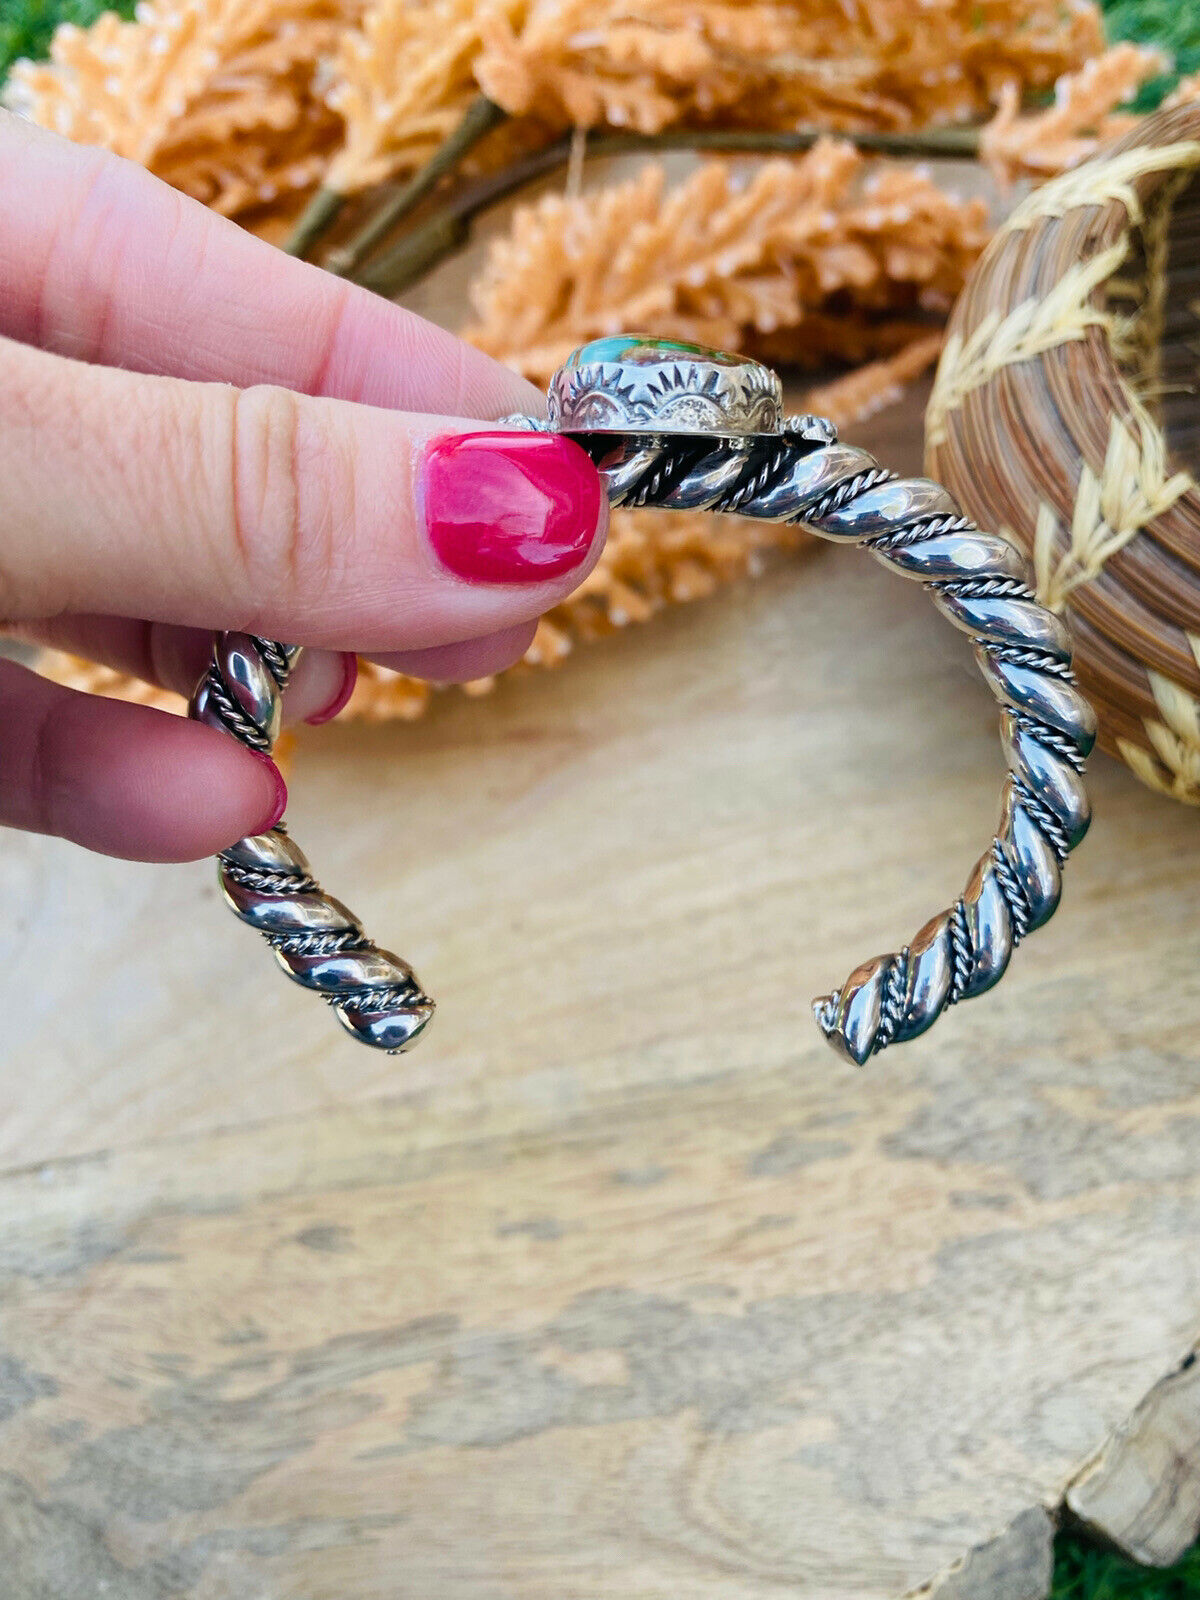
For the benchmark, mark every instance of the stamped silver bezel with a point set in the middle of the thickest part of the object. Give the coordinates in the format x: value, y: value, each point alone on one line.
x: 677, y: 395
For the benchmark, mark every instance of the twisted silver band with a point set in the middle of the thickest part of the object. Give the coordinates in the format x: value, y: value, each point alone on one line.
x: 985, y: 587
x: 799, y: 474
x: 266, y: 878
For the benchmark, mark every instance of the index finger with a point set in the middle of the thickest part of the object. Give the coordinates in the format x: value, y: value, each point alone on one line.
x: 101, y: 261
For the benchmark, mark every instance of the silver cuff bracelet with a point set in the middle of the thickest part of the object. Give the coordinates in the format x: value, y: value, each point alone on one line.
x: 689, y: 429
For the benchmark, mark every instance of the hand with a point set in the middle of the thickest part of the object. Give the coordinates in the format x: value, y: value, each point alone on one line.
x: 196, y: 433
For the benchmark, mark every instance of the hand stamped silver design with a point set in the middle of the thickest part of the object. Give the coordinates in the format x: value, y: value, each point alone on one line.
x: 646, y: 386
x: 679, y: 427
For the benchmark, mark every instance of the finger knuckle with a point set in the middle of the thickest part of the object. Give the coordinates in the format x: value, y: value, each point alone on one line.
x: 290, y: 495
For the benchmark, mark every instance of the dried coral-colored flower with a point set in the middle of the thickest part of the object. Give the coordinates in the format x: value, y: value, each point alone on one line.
x: 218, y: 97
x: 402, y: 82
x: 726, y: 258
x: 838, y: 64
x: 1083, y: 117
x: 585, y: 62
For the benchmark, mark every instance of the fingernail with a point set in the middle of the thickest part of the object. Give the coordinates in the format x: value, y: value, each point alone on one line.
x: 349, y: 679
x: 510, y: 507
x: 279, y: 804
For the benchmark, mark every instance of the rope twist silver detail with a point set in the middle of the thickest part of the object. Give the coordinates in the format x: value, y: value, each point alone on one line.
x: 912, y: 526
x: 268, y: 883
x: 984, y: 586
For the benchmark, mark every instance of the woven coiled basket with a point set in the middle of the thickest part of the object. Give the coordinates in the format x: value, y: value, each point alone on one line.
x: 1065, y: 414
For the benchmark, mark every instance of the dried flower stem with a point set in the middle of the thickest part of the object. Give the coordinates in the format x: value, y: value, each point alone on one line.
x: 320, y: 213
x: 422, y: 249
x: 480, y: 117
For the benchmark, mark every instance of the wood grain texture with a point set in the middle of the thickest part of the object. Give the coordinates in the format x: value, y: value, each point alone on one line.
x: 1141, y: 1492
x: 621, y: 1285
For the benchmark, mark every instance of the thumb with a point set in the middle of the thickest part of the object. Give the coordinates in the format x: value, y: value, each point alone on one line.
x: 314, y: 520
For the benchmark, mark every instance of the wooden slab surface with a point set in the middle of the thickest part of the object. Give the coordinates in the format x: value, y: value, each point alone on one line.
x: 621, y: 1285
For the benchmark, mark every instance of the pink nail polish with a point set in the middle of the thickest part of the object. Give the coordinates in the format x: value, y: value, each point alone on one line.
x: 338, y: 703
x: 510, y: 507
x: 279, y: 804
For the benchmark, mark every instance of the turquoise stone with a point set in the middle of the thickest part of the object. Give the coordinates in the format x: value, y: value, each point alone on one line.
x: 640, y: 350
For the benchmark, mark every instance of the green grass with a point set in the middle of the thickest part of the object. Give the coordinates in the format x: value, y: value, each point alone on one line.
x: 26, y: 25
x: 1172, y: 24
x: 1082, y: 1572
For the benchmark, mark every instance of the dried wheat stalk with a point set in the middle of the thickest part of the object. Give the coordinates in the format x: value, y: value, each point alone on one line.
x: 218, y: 97
x: 727, y: 262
